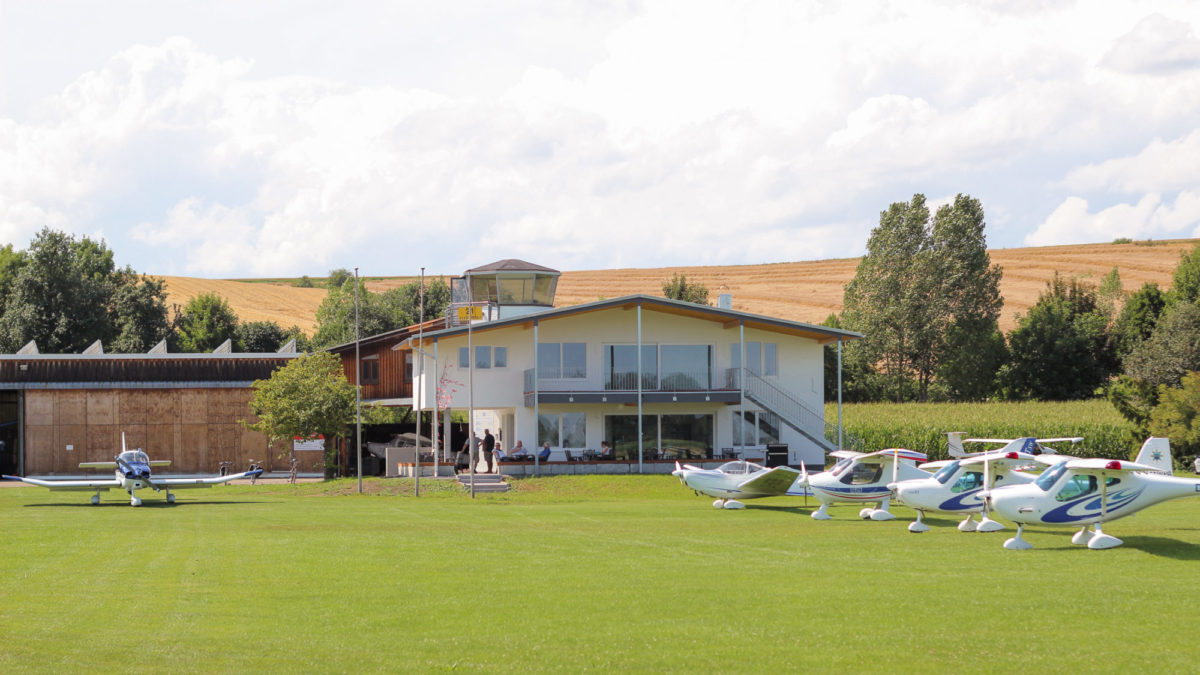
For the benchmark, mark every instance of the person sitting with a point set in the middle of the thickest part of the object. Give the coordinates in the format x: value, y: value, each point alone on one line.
x: 545, y: 453
x: 518, y: 452
x: 605, y: 451
x: 500, y: 456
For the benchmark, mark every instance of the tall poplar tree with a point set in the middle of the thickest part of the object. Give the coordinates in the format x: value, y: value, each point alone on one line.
x: 925, y: 295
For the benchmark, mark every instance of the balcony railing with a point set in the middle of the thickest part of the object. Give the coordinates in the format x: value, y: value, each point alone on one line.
x: 677, y: 380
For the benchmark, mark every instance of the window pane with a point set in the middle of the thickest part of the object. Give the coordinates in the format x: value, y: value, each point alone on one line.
x: 483, y: 357
x: 464, y: 357
x: 770, y: 360
x: 483, y: 289
x: 549, y: 361
x: 574, y: 430
x: 620, y: 367
x: 501, y: 357
x: 548, y: 430
x: 621, y: 433
x: 687, y: 436
x: 543, y: 290
x: 735, y: 355
x: 574, y: 359
x: 516, y: 291
x: 685, y: 367
x: 744, y: 428
x: 754, y: 357
x: 768, y: 428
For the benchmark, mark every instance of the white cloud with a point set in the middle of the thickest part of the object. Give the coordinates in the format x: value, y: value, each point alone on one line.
x: 1149, y: 218
x: 667, y: 133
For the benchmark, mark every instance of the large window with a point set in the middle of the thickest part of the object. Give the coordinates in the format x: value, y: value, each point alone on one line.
x: 485, y: 357
x: 687, y: 436
x: 566, y: 360
x: 620, y: 367
x: 685, y: 367
x: 621, y: 433
x: 568, y: 430
x: 681, y: 437
x: 664, y: 367
x: 761, y: 358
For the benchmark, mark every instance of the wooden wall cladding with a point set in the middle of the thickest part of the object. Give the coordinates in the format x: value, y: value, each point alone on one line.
x: 196, y: 429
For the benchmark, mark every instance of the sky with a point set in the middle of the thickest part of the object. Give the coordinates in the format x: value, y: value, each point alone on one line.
x: 231, y: 139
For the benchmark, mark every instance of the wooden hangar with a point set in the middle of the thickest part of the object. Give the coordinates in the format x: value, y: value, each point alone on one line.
x: 57, y: 410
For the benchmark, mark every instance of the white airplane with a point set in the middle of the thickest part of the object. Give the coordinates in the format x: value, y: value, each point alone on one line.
x: 1027, y: 444
x: 957, y: 484
x: 132, y: 473
x: 737, y: 480
x: 1082, y: 492
x: 861, y: 478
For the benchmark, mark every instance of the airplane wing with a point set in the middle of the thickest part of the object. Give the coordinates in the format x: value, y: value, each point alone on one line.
x: 843, y: 454
x: 934, y: 466
x: 97, y: 465
x: 1108, y: 466
x: 88, y: 485
x: 182, y: 483
x: 775, y: 481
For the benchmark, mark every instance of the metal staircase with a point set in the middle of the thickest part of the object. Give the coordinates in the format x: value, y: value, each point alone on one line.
x: 791, y: 411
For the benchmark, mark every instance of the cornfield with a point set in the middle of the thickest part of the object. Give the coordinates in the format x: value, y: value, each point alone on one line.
x: 923, y: 426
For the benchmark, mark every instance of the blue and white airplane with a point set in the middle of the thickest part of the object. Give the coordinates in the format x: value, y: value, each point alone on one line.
x: 956, y: 485
x: 734, y: 481
x: 863, y: 478
x: 1083, y: 492
x: 132, y: 472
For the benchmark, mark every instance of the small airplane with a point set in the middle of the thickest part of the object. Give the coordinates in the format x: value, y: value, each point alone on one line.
x: 1082, y: 492
x: 1027, y: 444
x: 860, y: 478
x: 132, y: 473
x: 957, y: 484
x: 740, y: 480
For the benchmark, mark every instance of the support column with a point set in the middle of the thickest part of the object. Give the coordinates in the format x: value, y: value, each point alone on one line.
x: 840, y: 446
x: 641, y: 451
x: 537, y: 394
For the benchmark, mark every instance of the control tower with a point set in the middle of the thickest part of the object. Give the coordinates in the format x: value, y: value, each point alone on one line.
x: 501, y: 290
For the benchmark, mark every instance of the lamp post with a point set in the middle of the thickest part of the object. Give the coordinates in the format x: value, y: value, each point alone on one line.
x: 421, y: 400
x: 357, y: 388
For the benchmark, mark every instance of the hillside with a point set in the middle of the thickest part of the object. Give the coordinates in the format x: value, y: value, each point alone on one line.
x: 802, y: 291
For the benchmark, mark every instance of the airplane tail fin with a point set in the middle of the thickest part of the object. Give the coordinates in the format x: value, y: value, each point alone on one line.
x: 1157, y: 453
x: 956, y: 446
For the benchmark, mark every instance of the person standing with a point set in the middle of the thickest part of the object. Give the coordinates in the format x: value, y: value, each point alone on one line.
x: 489, y: 444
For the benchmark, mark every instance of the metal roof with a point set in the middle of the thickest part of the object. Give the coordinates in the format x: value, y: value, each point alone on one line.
x: 822, y: 334
x: 511, y: 265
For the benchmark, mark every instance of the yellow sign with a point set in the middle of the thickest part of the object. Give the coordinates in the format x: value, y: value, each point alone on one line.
x: 475, y: 313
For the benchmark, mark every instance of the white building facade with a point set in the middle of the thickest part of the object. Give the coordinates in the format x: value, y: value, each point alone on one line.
x: 715, y: 383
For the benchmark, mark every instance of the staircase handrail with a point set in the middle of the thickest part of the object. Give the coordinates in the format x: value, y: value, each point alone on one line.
x: 781, y: 402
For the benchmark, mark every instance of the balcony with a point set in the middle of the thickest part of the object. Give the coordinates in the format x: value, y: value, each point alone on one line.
x: 673, y: 386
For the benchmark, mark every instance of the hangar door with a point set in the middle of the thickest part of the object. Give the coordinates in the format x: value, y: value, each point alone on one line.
x: 10, y: 430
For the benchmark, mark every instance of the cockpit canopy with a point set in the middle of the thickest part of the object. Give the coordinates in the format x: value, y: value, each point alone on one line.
x: 739, y: 467
x: 132, y: 456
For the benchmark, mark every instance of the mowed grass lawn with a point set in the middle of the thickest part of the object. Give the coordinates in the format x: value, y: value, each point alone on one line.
x: 571, y: 574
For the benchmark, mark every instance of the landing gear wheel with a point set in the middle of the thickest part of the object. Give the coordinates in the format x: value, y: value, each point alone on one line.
x: 918, y: 525
x: 967, y: 525
x: 1082, y: 537
x: 95, y: 500
x: 719, y: 504
x: 988, y: 525
x: 135, y: 501
x: 822, y: 513
x: 1017, y: 543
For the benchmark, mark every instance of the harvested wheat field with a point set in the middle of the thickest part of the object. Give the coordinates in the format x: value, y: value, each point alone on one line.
x: 802, y: 291
x: 285, y: 305
x: 811, y: 291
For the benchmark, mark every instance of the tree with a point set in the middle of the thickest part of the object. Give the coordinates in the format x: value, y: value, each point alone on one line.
x: 206, y: 322
x: 1185, y: 286
x: 1137, y: 319
x: 1171, y: 351
x: 1059, y: 350
x: 257, y: 337
x: 679, y: 288
x: 304, y: 282
x: 338, y: 278
x: 919, y: 285
x: 140, y: 313
x: 66, y: 293
x: 11, y: 263
x: 310, y: 396
x: 1110, y: 294
x: 377, y: 313
x: 1177, y: 416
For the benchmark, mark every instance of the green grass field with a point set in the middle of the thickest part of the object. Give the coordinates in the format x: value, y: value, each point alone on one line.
x: 571, y: 574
